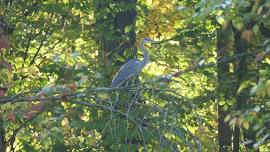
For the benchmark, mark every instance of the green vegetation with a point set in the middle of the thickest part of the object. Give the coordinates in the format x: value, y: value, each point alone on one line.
x: 205, y: 88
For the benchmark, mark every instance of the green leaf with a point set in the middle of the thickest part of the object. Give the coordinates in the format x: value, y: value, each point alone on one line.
x: 220, y: 20
x: 256, y: 29
x: 244, y: 3
x: 238, y: 23
x: 227, y: 118
x: 128, y: 28
x: 222, y: 102
x: 5, y: 124
x: 231, y: 101
x: 242, y: 87
x: 225, y: 107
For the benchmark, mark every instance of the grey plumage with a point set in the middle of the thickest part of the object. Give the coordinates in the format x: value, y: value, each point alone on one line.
x: 132, y: 67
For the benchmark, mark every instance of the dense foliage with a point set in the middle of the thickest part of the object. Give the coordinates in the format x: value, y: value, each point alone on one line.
x: 205, y: 88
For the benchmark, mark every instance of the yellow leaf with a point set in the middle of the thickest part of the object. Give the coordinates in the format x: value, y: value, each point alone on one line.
x: 149, y: 2
x: 65, y: 122
x: 242, y: 86
x: 33, y: 70
x: 268, y: 86
x: 239, y: 121
x: 103, y: 95
x: 246, y: 124
x: 128, y: 28
x: 253, y: 113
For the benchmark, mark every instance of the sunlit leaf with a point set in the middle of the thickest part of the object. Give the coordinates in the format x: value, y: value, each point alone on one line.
x: 238, y: 23
x: 33, y: 70
x: 103, y: 95
x: 242, y: 87
x: 246, y: 124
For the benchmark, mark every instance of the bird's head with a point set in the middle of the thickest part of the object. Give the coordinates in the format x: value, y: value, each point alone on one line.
x: 148, y: 40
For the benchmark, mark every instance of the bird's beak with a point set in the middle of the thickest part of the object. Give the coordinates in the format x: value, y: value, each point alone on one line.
x: 154, y: 42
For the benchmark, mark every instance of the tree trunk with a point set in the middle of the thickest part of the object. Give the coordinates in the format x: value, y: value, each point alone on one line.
x: 241, y: 72
x: 241, y: 44
x: 223, y: 74
x: 117, y: 33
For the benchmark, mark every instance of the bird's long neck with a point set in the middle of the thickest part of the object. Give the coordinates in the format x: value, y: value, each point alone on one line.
x: 145, y: 55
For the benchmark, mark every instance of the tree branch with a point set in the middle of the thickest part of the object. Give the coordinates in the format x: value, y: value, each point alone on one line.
x: 39, y: 48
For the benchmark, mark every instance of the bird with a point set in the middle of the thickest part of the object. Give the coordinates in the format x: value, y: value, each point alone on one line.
x: 132, y: 67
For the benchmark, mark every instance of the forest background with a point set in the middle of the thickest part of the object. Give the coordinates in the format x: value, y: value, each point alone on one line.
x: 205, y: 88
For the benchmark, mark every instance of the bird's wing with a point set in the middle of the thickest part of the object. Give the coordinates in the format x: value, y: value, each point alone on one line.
x: 129, y: 69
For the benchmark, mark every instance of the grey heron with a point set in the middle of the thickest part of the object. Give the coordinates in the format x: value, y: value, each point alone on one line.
x: 132, y: 67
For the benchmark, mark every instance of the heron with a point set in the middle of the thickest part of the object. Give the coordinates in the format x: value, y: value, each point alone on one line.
x: 132, y: 67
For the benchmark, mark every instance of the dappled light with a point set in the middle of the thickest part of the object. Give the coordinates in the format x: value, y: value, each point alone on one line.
x: 134, y: 75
